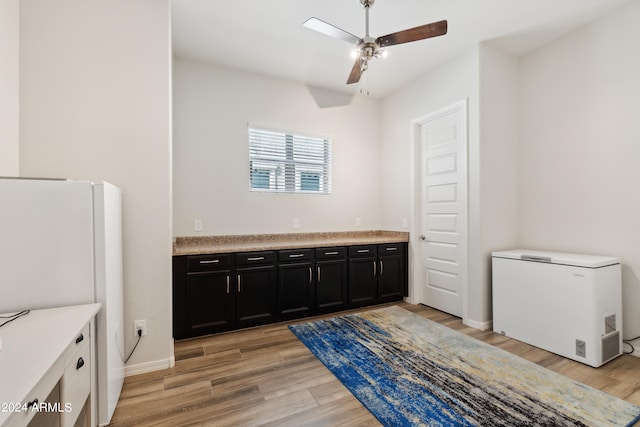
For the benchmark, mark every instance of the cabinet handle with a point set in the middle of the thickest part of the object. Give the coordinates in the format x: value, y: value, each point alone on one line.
x: 238, y: 283
x: 391, y: 249
x: 79, y: 339
x: 209, y: 261
x: 296, y: 255
x: 318, y: 274
x: 331, y: 253
x: 310, y: 276
x: 80, y: 363
x: 227, y: 283
x: 255, y: 258
x: 375, y: 273
x: 381, y: 268
x: 363, y: 251
x: 32, y: 404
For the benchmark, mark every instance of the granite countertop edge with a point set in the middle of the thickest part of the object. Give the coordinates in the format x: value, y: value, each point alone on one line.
x: 206, y: 245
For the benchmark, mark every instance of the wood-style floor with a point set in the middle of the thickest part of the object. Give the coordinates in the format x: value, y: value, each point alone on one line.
x: 265, y: 377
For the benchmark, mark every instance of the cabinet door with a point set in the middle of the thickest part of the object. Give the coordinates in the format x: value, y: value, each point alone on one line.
x: 331, y: 285
x: 180, y: 309
x: 256, y: 295
x: 391, y: 278
x: 209, y: 305
x: 363, y: 282
x: 296, y: 290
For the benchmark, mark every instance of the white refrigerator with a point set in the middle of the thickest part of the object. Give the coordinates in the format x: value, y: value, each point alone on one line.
x: 61, y: 244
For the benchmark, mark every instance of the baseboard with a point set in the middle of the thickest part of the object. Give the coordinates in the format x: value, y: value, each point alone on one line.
x: 155, y: 365
x: 483, y: 326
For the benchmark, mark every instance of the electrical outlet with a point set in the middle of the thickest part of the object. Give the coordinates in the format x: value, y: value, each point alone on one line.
x: 139, y: 325
x: 358, y: 222
x: 296, y: 223
x: 197, y: 225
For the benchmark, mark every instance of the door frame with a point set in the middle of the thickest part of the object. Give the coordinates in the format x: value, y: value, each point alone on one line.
x: 416, y: 275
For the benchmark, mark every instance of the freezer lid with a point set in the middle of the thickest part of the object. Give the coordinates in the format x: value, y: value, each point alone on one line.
x: 563, y: 258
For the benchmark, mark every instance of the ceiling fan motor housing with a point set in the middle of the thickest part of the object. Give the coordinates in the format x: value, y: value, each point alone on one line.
x: 367, y: 3
x: 369, y: 48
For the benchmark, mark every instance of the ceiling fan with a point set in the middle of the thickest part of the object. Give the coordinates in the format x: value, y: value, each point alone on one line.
x: 369, y: 47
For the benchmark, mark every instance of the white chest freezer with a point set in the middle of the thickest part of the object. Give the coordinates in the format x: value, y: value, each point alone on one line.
x: 568, y: 304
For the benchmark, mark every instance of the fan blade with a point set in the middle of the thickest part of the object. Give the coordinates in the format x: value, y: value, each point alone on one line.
x: 330, y: 30
x: 356, y: 71
x: 413, y: 34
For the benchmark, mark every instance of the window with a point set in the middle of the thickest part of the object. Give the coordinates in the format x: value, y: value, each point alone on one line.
x: 284, y: 162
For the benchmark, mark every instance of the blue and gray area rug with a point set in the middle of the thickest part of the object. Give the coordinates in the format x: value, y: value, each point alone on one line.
x: 410, y: 371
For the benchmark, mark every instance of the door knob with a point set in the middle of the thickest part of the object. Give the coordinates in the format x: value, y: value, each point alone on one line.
x: 423, y: 237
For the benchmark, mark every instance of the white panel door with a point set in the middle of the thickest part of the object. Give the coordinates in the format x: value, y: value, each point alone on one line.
x: 443, y: 209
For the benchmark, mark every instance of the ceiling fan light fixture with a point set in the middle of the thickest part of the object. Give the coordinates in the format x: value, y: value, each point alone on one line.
x: 369, y: 47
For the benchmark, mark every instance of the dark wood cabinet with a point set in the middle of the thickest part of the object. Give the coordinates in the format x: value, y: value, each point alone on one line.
x: 256, y: 294
x: 377, y: 274
x: 256, y: 288
x: 392, y: 271
x: 217, y: 293
x: 210, y: 302
x: 363, y: 275
x: 202, y: 283
x: 296, y: 284
x: 222, y: 292
x: 331, y: 279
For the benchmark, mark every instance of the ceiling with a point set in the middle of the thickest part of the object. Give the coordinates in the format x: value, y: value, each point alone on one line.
x: 267, y: 36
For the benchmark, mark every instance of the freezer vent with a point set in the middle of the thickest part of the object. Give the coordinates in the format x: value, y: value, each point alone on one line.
x: 610, y: 346
x: 581, y: 348
x: 609, y: 324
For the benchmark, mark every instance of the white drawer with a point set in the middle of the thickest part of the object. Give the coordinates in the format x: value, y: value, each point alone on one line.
x: 23, y: 411
x: 82, y: 338
x: 76, y: 384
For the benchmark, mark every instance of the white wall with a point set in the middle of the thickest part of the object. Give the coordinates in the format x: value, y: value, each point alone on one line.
x: 580, y: 104
x: 212, y: 107
x: 498, y: 182
x: 9, y: 80
x: 95, y: 104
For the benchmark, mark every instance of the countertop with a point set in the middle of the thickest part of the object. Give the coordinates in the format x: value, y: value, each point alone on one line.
x: 201, y: 245
x: 32, y: 352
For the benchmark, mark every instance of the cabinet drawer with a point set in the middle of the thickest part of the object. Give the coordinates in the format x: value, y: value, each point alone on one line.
x: 295, y: 255
x: 362, y: 251
x: 82, y: 338
x: 251, y: 258
x: 391, y: 249
x: 75, y: 385
x: 39, y: 394
x: 208, y: 262
x: 335, y: 252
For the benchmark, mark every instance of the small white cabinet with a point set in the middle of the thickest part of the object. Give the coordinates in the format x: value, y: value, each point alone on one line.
x: 47, y: 368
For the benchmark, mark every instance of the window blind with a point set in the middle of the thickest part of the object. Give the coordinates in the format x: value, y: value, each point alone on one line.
x: 286, y: 162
